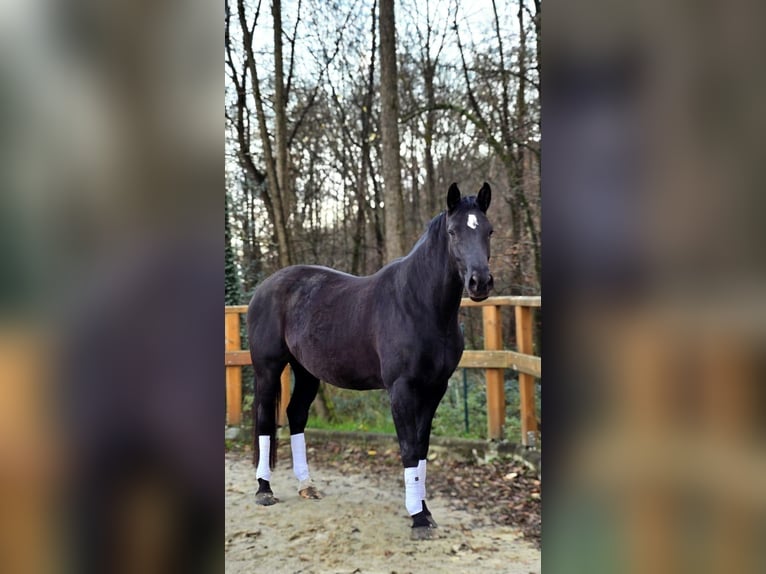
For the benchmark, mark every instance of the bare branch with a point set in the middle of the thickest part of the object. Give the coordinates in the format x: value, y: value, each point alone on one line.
x: 505, y: 107
x: 327, y: 63
x: 469, y: 87
x: 292, y: 53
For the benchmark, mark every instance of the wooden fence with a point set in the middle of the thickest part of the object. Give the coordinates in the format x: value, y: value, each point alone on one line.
x: 494, y: 359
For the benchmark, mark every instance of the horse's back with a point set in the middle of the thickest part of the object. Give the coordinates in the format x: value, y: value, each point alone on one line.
x: 296, y: 287
x: 288, y: 291
x: 321, y: 318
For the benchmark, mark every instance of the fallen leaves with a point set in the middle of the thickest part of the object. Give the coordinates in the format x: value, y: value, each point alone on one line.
x: 242, y: 534
x: 508, y: 493
x: 504, y: 491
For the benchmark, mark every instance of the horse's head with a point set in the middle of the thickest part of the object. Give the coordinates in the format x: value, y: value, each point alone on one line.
x: 469, y: 231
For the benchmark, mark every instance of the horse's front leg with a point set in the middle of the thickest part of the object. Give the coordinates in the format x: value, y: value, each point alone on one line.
x: 425, y: 417
x: 405, y: 407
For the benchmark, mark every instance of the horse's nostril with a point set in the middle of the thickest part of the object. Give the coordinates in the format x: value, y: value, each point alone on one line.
x: 473, y: 281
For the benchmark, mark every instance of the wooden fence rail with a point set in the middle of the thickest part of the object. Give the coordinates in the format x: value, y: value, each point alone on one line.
x: 494, y: 359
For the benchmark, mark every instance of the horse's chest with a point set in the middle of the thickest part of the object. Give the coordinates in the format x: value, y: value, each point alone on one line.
x: 451, y: 353
x: 435, y: 357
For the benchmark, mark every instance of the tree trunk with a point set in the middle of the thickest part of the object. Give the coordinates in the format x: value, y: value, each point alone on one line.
x: 280, y: 228
x: 280, y: 114
x: 414, y: 222
x: 430, y: 190
x: 517, y: 183
x: 359, y: 259
x: 280, y: 132
x: 389, y: 132
x: 324, y: 406
x: 232, y: 286
x: 517, y: 224
x: 380, y: 241
x: 522, y: 120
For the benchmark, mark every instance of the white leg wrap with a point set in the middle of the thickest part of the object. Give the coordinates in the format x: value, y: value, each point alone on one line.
x: 300, y: 466
x: 412, y: 499
x: 264, y: 445
x: 422, y: 477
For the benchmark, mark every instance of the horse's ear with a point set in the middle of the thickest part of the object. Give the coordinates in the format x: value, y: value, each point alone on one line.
x: 484, y: 197
x: 453, y: 197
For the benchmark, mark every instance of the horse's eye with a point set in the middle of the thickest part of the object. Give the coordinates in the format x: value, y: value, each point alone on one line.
x: 451, y: 232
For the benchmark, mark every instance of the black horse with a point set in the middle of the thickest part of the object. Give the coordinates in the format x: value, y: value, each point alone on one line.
x: 395, y: 330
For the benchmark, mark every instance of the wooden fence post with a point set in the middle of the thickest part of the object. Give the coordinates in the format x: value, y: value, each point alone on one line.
x: 529, y: 427
x: 233, y: 373
x: 285, y: 380
x: 493, y: 341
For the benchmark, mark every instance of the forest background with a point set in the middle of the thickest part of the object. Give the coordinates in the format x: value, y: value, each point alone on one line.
x: 347, y: 121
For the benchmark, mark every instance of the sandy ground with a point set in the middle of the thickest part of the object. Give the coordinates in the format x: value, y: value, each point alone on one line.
x: 360, y: 526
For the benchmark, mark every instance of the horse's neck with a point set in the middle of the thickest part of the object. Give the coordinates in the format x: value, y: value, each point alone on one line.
x: 432, y: 277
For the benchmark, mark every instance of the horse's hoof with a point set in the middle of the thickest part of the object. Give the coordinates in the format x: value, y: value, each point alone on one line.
x: 423, y: 525
x: 310, y: 492
x: 421, y: 533
x: 265, y: 498
x: 306, y: 489
x: 430, y: 518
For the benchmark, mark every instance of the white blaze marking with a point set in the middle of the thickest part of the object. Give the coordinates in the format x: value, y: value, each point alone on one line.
x: 472, y: 223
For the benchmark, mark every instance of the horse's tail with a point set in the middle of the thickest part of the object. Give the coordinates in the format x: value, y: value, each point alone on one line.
x: 258, y: 399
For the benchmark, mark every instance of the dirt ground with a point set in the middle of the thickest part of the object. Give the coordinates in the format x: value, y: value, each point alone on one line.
x: 360, y: 526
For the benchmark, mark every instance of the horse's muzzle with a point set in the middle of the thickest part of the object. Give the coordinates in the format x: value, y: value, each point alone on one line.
x: 479, y: 285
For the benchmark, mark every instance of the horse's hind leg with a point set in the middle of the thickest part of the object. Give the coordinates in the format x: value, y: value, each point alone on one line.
x: 267, y: 391
x: 304, y: 393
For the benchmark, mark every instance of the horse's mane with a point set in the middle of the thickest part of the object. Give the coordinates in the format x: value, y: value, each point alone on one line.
x: 431, y: 229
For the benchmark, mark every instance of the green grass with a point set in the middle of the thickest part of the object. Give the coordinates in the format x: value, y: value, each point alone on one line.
x: 371, y: 411
x: 386, y: 427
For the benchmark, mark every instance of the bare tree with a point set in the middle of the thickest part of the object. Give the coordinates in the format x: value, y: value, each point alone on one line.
x: 364, y: 163
x: 320, y: 137
x: 389, y: 132
x: 429, y: 62
x: 280, y: 112
x: 512, y: 143
x: 274, y: 195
